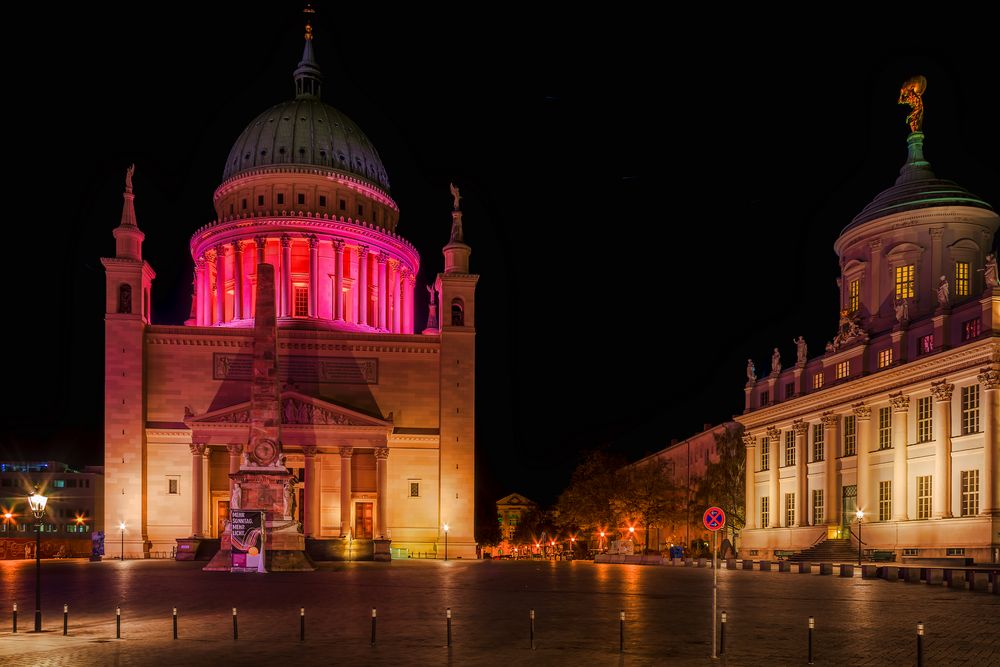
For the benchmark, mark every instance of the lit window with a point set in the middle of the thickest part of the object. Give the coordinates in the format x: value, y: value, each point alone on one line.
x: 850, y: 435
x: 789, y: 509
x: 789, y: 448
x: 885, y: 428
x: 818, y: 442
x: 59, y: 483
x: 924, y: 497
x: 972, y: 328
x: 970, y: 409
x: 764, y: 513
x: 925, y: 344
x: 818, y: 514
x: 970, y: 492
x: 924, y: 419
x: 301, y: 301
x: 961, y: 279
x: 904, y: 282
x: 884, y: 500
x: 765, y: 452
x: 818, y: 380
x: 855, y: 295
x: 885, y: 357
x: 843, y: 369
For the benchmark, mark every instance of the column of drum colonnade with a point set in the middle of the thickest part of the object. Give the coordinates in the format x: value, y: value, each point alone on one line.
x: 389, y: 309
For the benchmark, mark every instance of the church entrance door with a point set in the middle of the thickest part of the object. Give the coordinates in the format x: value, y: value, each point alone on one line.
x: 363, y: 520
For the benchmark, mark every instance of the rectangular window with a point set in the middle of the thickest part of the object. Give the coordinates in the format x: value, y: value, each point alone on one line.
x: 789, y: 509
x: 885, y: 428
x: 911, y: 552
x: 970, y: 492
x: 818, y: 515
x: 885, y: 357
x: 924, y: 497
x: 59, y: 483
x: 843, y: 369
x: 970, y: 409
x: 855, y: 296
x: 904, y: 282
x: 764, y: 511
x: 244, y: 202
x: 301, y: 198
x: 173, y: 486
x: 281, y: 197
x: 961, y: 279
x: 818, y: 442
x: 925, y: 422
x: 789, y: 448
x: 343, y: 204
x: 764, y: 397
x: 789, y: 389
x: 884, y: 500
x: 850, y: 435
x: 955, y: 551
x: 925, y: 344
x: 361, y: 210
x: 322, y: 200
x: 818, y: 380
x: 414, y: 489
x: 301, y: 301
x: 972, y: 328
x: 260, y: 200
x: 765, y: 452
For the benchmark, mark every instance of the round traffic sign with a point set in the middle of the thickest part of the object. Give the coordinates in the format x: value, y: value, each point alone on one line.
x: 714, y: 518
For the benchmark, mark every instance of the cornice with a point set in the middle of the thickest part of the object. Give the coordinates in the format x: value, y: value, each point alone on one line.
x: 327, y: 173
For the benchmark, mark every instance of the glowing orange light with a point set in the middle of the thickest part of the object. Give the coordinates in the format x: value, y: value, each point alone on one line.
x: 631, y: 529
x: 80, y: 519
x: 8, y: 516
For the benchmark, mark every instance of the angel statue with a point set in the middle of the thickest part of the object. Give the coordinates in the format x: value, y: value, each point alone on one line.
x: 128, y: 178
x: 911, y: 93
x: 454, y: 195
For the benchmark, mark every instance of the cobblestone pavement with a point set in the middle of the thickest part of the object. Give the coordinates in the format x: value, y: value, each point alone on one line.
x: 668, y: 610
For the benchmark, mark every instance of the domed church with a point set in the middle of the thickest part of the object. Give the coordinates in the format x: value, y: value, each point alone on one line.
x: 303, y: 328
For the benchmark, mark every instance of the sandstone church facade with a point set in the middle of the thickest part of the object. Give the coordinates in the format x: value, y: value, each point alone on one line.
x: 377, y: 417
x: 899, y: 417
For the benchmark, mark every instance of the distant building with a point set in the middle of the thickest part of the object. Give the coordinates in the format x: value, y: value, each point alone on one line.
x: 510, y: 511
x: 74, y: 510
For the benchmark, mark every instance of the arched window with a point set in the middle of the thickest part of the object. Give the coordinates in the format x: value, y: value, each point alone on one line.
x: 457, y: 313
x: 125, y: 298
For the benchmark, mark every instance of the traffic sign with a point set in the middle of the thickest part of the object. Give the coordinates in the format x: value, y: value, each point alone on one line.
x: 714, y: 518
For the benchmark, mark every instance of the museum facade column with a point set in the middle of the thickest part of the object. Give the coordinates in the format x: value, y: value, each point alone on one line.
x: 831, y: 503
x: 199, y: 453
x: 900, y: 408
x: 338, y: 279
x: 310, y: 499
x: 941, y: 487
x: 862, y: 415
x: 750, y: 442
x: 801, y: 472
x: 774, y: 445
x: 989, y: 378
x: 382, y: 486
x: 345, y: 489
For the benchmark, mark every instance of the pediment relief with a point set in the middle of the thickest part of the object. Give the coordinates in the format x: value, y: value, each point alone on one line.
x: 297, y: 409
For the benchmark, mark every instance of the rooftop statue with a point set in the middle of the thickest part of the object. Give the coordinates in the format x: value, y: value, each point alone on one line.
x: 454, y: 193
x: 801, y: 350
x: 776, y: 362
x: 751, y: 372
x: 128, y: 178
x: 911, y: 93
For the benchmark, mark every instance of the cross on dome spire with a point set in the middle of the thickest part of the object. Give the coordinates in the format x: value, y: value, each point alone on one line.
x: 308, y: 78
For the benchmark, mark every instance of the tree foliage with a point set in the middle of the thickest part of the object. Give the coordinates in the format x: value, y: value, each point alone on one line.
x: 648, y: 495
x: 724, y: 482
x: 587, y: 501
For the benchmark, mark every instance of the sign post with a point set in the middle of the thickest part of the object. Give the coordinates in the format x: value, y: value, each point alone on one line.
x: 714, y: 520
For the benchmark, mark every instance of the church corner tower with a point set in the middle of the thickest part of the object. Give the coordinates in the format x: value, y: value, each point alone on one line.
x: 127, y: 313
x: 457, y: 322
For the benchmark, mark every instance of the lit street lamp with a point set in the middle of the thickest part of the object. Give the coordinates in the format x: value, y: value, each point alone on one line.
x: 122, y: 527
x: 37, y: 503
x: 602, y: 542
x: 446, y: 541
x: 860, y: 516
x: 631, y: 534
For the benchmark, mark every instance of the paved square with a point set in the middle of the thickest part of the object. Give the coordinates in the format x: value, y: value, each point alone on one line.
x: 859, y: 622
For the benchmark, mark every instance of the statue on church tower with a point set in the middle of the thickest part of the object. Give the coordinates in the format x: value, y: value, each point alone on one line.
x: 128, y: 177
x: 911, y: 93
x: 456, y: 215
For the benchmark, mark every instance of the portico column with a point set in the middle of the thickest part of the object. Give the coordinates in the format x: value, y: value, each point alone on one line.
x: 363, y: 297
x: 801, y: 473
x: 238, y: 280
x: 199, y: 277
x: 310, y: 508
x: 382, y: 257
x: 941, y: 487
x: 261, y: 242
x: 313, y: 275
x: 198, y: 451
x: 750, y: 442
x: 382, y: 486
x: 345, y: 489
x: 411, y: 281
x: 862, y: 415
x: 900, y: 407
x: 989, y: 378
x: 220, y: 284
x: 235, y: 453
x: 338, y: 280
x: 831, y: 503
x: 397, y: 307
x: 286, y: 275
x: 774, y: 512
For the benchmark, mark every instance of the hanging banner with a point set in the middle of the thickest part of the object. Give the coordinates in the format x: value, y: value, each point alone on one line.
x: 247, y: 537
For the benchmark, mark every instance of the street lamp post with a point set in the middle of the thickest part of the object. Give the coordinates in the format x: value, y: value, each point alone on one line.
x: 860, y: 516
x: 446, y: 541
x: 601, y: 546
x: 121, y: 526
x: 631, y: 535
x: 37, y: 503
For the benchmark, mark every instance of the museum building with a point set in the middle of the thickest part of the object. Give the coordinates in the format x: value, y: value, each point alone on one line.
x: 898, y: 417
x: 376, y: 414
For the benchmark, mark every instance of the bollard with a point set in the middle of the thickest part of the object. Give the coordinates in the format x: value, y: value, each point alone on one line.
x: 236, y: 634
x: 621, y: 631
x: 812, y: 625
x: 175, y: 622
x: 920, y: 644
x: 15, y: 617
x: 302, y: 624
x: 118, y: 622
x: 722, y: 635
x: 373, y: 627
x: 449, y: 627
x: 65, y: 619
x: 531, y: 630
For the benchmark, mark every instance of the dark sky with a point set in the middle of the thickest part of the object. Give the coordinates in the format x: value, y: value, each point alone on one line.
x: 648, y: 204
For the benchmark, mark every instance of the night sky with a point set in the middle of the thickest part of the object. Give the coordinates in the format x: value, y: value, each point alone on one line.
x: 647, y: 206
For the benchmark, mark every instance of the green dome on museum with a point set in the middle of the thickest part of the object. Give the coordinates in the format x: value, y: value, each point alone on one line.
x: 305, y: 131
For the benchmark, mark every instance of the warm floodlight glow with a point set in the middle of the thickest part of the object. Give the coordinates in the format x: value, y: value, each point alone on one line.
x: 37, y: 502
x: 860, y: 515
